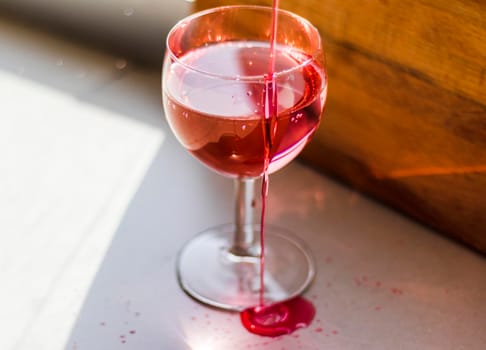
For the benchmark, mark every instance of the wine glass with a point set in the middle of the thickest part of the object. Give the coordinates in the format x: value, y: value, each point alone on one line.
x: 244, y: 101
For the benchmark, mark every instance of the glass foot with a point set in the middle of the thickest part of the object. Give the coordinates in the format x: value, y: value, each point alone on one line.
x: 210, y: 273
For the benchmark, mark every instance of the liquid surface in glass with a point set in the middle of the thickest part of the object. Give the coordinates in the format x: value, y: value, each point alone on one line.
x: 219, y: 120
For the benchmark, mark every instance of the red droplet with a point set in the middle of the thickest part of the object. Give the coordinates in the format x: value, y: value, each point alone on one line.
x: 279, y: 318
x: 318, y: 330
x: 396, y: 291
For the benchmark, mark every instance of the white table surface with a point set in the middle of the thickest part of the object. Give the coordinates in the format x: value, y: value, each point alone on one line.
x: 96, y: 198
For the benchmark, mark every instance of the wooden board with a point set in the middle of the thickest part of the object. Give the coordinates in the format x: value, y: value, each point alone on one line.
x: 406, y: 114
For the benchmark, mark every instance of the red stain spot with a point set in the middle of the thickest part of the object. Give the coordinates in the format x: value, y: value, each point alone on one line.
x: 365, y: 279
x: 122, y: 336
x: 206, y: 315
x: 377, y: 308
x: 335, y: 332
x: 295, y: 335
x: 378, y: 284
x: 132, y: 331
x: 318, y: 330
x: 279, y: 318
x: 396, y: 291
x: 123, y: 341
x: 194, y: 318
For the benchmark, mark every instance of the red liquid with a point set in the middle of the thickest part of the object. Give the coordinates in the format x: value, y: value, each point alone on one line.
x: 220, y: 121
x: 280, y: 318
x: 269, y: 126
x: 287, y: 316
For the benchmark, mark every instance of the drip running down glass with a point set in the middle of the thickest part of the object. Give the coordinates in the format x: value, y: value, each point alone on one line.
x: 220, y: 71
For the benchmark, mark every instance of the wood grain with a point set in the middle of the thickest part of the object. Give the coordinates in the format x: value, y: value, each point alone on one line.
x: 406, y: 114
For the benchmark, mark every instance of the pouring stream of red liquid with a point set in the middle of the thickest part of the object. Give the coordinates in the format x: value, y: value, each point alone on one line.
x: 287, y: 316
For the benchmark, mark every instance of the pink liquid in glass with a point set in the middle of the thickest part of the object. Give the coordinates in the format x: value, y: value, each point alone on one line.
x: 220, y: 121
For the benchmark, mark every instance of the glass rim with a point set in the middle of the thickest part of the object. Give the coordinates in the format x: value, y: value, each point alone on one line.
x: 312, y: 57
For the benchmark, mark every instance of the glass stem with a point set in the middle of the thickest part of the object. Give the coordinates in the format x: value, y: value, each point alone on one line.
x: 246, y: 240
